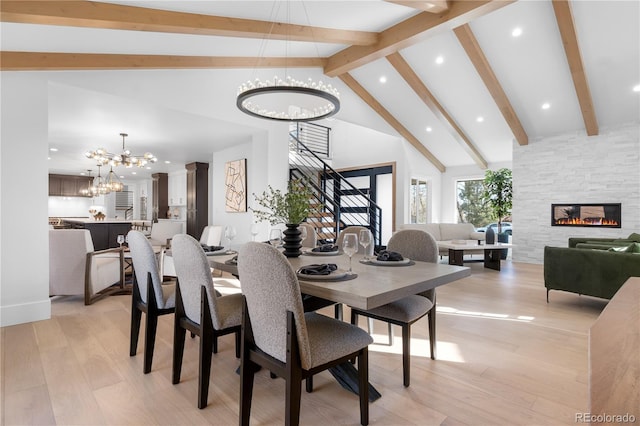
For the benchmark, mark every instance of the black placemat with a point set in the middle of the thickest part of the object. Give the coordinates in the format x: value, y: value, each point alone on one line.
x: 392, y: 264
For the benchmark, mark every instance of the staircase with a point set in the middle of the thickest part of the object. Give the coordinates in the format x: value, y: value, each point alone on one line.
x: 336, y: 202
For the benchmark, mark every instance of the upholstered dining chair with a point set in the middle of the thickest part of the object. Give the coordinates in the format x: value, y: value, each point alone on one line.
x: 200, y: 310
x: 312, y: 237
x: 421, y: 246
x: 278, y: 335
x: 211, y: 235
x: 149, y: 295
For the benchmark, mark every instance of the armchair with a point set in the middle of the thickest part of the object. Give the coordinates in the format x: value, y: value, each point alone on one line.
x: 75, y: 268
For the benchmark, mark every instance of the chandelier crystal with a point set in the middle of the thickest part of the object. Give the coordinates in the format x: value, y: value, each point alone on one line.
x: 103, y: 157
x: 288, y: 99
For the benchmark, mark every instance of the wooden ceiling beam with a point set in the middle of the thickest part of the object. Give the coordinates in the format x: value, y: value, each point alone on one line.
x: 564, y: 17
x: 409, y: 32
x: 412, y: 79
x: 480, y: 62
x: 120, y: 17
x: 389, y: 118
x: 433, y: 6
x: 41, y: 61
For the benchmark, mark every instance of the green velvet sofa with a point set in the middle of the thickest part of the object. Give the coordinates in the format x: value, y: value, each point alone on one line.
x: 590, y: 267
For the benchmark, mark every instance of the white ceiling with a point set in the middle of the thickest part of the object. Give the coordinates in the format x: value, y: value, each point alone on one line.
x: 532, y: 69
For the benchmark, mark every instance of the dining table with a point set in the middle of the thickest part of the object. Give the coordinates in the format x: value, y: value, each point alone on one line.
x: 369, y: 284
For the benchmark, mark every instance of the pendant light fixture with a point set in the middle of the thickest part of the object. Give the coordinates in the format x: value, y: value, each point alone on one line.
x: 103, y: 157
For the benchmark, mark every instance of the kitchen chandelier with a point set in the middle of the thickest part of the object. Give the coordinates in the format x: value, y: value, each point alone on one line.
x: 103, y: 157
x: 287, y: 99
x: 100, y: 186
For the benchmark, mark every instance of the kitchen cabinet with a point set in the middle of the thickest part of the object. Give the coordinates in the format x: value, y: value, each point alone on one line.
x: 104, y: 234
x: 178, y: 188
x: 160, y: 196
x: 68, y: 185
x: 197, y: 198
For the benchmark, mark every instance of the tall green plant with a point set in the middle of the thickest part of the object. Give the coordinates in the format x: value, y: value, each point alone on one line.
x: 498, y: 192
x: 291, y: 207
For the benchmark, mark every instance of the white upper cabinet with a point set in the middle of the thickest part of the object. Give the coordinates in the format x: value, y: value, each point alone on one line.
x: 178, y: 188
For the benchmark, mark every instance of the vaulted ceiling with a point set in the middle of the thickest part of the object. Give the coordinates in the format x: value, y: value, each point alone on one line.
x: 459, y: 80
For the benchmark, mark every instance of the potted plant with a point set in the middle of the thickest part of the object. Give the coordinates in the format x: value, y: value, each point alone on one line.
x: 290, y: 208
x: 498, y: 193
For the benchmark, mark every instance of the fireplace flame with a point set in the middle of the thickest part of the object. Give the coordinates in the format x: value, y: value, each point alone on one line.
x: 591, y: 221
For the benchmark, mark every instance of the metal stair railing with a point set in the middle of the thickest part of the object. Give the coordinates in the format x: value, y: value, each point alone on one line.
x: 338, y: 202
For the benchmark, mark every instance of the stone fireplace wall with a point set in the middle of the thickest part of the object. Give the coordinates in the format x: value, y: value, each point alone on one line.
x: 573, y: 168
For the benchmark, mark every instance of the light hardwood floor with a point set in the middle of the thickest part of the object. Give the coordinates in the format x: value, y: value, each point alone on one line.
x: 505, y: 356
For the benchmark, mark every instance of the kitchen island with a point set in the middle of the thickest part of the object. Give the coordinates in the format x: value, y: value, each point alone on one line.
x: 104, y: 233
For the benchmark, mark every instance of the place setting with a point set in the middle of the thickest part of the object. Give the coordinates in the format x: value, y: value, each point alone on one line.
x: 388, y: 258
x: 324, y: 272
x: 323, y: 250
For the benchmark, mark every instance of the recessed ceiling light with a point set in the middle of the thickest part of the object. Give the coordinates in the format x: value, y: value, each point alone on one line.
x: 480, y: 119
x: 382, y: 79
x: 439, y: 60
x: 133, y: 173
x: 148, y: 168
x: 48, y: 158
x: 167, y: 162
x: 53, y: 149
x: 121, y: 177
x: 82, y: 173
x: 517, y: 32
x: 546, y: 105
x: 428, y: 129
x: 636, y: 88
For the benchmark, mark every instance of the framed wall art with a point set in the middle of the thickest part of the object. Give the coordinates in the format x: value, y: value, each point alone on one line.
x: 235, y: 180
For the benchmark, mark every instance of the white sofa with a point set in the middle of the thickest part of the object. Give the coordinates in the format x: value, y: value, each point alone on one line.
x: 449, y: 232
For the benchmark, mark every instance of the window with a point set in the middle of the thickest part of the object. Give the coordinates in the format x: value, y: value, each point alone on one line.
x: 418, y: 201
x: 470, y: 203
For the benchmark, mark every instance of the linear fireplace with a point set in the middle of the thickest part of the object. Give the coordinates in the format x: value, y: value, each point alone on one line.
x: 591, y: 215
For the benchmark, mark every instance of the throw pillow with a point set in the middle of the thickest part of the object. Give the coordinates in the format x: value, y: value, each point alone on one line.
x: 634, y: 237
x: 634, y: 248
x: 619, y: 249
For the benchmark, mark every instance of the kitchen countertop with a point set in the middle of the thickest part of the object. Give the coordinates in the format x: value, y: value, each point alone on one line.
x: 87, y: 220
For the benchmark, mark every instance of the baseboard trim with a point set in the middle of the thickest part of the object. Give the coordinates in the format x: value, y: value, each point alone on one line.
x: 25, y: 312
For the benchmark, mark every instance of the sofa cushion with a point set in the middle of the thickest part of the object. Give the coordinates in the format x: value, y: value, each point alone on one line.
x: 631, y: 248
x: 456, y: 231
x: 430, y: 228
x: 634, y: 237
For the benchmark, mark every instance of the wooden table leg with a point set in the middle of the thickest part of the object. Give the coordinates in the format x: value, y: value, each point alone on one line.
x: 492, y: 258
x: 456, y: 257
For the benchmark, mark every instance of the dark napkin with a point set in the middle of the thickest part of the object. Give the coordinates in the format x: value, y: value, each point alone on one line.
x: 211, y: 248
x: 325, y: 248
x: 389, y: 256
x: 318, y: 269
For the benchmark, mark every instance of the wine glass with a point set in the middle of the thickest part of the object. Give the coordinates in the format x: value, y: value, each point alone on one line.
x: 254, y: 231
x: 230, y: 234
x: 275, y: 237
x: 365, y: 240
x: 303, y: 233
x: 120, y: 240
x: 350, y: 247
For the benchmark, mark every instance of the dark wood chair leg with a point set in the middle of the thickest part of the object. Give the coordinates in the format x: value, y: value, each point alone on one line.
x: 238, y: 335
x: 149, y: 340
x: 431, y: 317
x: 207, y: 341
x: 338, y: 312
x: 179, y: 335
x: 309, y: 384
x: 406, y: 354
x: 215, y: 344
x: 294, y: 394
x: 354, y: 321
x: 247, y: 373
x: 136, y: 318
x: 363, y: 385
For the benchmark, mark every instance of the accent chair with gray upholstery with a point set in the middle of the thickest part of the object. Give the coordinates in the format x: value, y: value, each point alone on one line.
x: 211, y: 235
x: 200, y: 310
x: 312, y: 237
x: 163, y: 232
x: 75, y: 268
x: 278, y: 335
x: 149, y: 295
x: 355, y: 230
x: 420, y: 246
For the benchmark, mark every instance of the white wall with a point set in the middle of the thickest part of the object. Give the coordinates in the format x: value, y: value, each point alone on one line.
x: 573, y: 168
x: 24, y: 238
x: 69, y: 206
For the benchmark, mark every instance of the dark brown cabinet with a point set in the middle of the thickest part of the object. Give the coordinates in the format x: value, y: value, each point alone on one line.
x: 68, y: 185
x: 160, y: 195
x: 103, y: 234
x: 197, y: 198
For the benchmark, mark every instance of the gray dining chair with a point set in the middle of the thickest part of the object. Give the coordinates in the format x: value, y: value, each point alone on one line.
x: 278, y: 335
x: 149, y: 295
x: 415, y: 245
x: 201, y: 310
x: 355, y: 229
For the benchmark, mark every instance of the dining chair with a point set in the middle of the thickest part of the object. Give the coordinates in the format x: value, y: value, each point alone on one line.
x: 277, y: 334
x: 149, y: 295
x: 415, y: 245
x: 200, y: 310
x: 211, y: 235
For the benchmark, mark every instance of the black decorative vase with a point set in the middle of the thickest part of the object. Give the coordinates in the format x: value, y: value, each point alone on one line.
x: 490, y: 235
x: 292, y: 241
